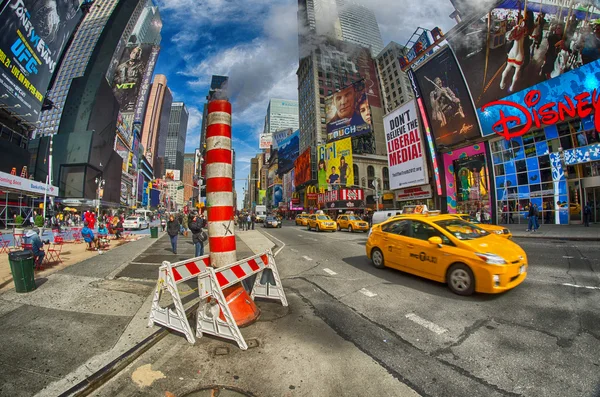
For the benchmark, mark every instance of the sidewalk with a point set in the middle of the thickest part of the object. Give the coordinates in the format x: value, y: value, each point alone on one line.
x: 558, y: 232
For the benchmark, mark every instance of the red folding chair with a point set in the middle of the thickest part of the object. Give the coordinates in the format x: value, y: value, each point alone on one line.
x: 4, y: 244
x: 55, y: 250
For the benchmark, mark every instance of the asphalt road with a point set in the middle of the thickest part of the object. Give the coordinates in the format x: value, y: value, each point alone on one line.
x: 540, y: 339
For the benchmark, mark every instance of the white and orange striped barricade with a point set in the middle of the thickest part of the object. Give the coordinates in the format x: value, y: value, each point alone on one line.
x: 214, y: 314
x: 169, y: 275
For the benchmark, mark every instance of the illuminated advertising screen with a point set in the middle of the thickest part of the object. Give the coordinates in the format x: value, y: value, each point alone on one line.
x: 123, y: 151
x: 173, y: 175
x: 140, y: 106
x: 124, y: 130
x: 508, y: 50
x: 302, y: 168
x: 470, y: 188
x: 406, y: 158
x: 129, y: 75
x: 335, y: 164
x: 447, y: 100
x: 348, y: 113
x: 277, y: 194
x: 288, y: 151
x: 33, y: 35
x: 135, y: 153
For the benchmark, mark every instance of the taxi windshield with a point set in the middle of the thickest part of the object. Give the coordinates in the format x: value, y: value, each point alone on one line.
x: 462, y: 230
x: 470, y: 219
x: 353, y: 218
x: 323, y: 217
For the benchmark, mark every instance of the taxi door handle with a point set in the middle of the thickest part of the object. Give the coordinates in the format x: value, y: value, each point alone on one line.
x: 410, y: 246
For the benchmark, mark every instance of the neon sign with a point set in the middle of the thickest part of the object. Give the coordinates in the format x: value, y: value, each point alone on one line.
x: 533, y: 115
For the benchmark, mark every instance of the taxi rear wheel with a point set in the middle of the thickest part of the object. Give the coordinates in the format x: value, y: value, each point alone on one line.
x: 377, y: 258
x: 460, y: 279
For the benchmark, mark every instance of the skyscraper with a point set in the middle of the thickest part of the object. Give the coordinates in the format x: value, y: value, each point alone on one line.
x: 393, y: 82
x: 148, y: 28
x: 359, y: 26
x: 156, y: 122
x: 177, y: 130
x: 281, y: 114
x: 188, y: 177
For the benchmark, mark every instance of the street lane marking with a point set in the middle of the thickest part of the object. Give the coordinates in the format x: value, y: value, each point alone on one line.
x: 427, y: 324
x: 567, y: 257
x: 367, y: 293
x: 580, y: 286
x: 275, y: 238
x: 312, y: 239
x: 307, y: 258
x: 293, y: 250
x: 301, y: 236
x: 329, y: 271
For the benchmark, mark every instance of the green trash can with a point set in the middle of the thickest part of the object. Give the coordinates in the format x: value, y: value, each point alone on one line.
x: 21, y: 266
x: 153, y: 232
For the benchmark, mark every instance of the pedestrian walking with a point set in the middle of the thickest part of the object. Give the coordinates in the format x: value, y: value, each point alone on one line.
x: 163, y: 223
x: 587, y: 214
x: 530, y: 217
x: 536, y: 215
x: 253, y: 220
x: 198, y: 235
x: 248, y: 221
x: 173, y: 229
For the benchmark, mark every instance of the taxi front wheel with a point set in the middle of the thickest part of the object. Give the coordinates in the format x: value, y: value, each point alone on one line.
x: 377, y: 258
x: 460, y: 279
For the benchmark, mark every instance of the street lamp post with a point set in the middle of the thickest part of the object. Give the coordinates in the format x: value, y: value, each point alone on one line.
x: 100, y: 182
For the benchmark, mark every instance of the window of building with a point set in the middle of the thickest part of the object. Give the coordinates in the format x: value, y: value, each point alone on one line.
x: 370, y: 176
x: 356, y: 173
x: 386, y: 178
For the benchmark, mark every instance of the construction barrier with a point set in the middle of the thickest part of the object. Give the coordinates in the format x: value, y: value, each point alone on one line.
x: 214, y: 313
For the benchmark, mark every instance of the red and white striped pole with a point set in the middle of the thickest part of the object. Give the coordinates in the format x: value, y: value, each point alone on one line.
x: 219, y: 202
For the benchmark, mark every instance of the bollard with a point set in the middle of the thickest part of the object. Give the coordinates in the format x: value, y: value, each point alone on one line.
x: 220, y: 205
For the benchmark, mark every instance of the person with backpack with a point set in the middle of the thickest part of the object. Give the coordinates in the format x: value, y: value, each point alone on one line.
x: 587, y: 214
x: 173, y: 229
x: 530, y: 217
x: 199, y: 236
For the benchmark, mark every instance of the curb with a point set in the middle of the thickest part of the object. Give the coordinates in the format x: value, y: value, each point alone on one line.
x: 538, y: 237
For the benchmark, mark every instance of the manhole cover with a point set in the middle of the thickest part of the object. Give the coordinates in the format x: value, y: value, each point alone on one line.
x: 219, y: 391
x: 270, y: 311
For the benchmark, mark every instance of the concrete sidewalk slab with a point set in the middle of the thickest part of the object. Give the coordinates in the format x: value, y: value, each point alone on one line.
x: 257, y: 241
x: 558, y: 232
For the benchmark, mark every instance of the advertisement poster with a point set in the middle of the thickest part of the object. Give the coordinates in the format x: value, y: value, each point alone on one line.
x: 348, y: 113
x: 338, y: 164
x: 302, y: 168
x: 467, y: 180
x: 265, y: 142
x: 262, y: 194
x: 33, y: 35
x: 129, y: 74
x: 287, y: 186
x: 279, y: 136
x: 174, y: 175
x: 277, y: 195
x: 288, y: 151
x: 122, y: 150
x: 406, y: 158
x: 124, y: 130
x: 447, y: 100
x: 140, y: 106
x: 523, y: 49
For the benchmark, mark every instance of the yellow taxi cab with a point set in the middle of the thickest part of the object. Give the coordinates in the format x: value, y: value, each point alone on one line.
x: 352, y: 223
x: 301, y: 220
x: 321, y: 222
x: 450, y: 250
x: 499, y: 230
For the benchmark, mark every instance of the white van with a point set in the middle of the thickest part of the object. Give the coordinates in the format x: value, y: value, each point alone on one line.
x: 382, y: 216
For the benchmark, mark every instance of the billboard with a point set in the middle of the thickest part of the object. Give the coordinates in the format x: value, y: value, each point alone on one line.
x: 288, y: 151
x: 33, y: 35
x: 124, y: 130
x: 135, y: 152
x: 338, y: 159
x: 265, y: 142
x: 129, y: 75
x: 277, y: 195
x: 447, y: 100
x: 348, y: 113
x: 421, y: 44
x: 406, y: 158
x: 279, y: 136
x: 515, y: 50
x: 262, y: 194
x: 173, y: 175
x: 302, y: 168
x: 122, y: 150
x: 140, y: 106
x: 472, y: 189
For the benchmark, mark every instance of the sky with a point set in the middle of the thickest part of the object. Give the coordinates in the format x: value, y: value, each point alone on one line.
x: 255, y: 43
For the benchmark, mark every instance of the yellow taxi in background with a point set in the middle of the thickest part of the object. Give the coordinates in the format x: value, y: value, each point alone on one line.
x: 450, y: 250
x: 301, y: 220
x: 352, y: 223
x: 499, y: 230
x: 321, y: 222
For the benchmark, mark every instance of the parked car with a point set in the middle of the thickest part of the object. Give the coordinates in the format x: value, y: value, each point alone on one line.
x: 135, y: 222
x: 271, y: 221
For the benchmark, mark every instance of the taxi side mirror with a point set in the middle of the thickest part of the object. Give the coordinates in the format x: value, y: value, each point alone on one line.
x: 435, y: 240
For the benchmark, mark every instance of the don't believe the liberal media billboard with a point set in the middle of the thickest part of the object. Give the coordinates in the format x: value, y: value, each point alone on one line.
x: 406, y: 158
x: 33, y: 35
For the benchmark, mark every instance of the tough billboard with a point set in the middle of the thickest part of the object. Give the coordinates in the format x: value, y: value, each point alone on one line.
x: 447, y: 100
x: 33, y: 35
x: 287, y: 152
x: 406, y: 159
x: 337, y: 158
x: 510, y: 49
x: 129, y: 75
x: 302, y: 168
x: 348, y: 113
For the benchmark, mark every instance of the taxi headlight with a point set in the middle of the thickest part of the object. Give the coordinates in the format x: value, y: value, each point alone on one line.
x: 498, y: 231
x: 491, y: 259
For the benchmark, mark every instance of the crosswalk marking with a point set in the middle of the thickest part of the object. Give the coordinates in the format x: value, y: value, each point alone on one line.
x: 329, y: 271
x: 307, y: 258
x: 427, y: 324
x: 367, y: 293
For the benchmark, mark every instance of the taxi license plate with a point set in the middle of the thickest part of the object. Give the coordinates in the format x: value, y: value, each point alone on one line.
x: 523, y: 269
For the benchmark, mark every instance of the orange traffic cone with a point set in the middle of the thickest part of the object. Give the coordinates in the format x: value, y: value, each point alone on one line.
x: 243, y: 309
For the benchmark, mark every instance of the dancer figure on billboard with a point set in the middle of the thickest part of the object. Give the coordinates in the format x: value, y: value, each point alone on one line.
x: 518, y: 56
x: 444, y: 101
